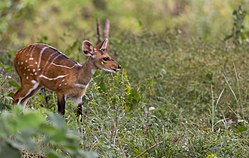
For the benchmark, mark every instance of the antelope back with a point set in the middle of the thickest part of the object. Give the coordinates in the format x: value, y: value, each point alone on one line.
x: 44, y: 64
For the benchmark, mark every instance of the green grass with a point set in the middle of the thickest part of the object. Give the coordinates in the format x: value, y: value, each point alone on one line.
x: 199, y: 92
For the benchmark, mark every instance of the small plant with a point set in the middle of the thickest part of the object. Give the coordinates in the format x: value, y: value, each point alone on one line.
x: 25, y: 131
x: 239, y: 34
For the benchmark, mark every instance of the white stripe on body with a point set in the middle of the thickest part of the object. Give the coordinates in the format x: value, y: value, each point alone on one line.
x: 47, y: 65
x: 61, y: 53
x: 45, y: 77
x: 20, y: 51
x: 53, y: 60
x: 40, y: 56
x: 31, y: 51
x: 36, y: 84
x: 67, y: 67
x: 44, y: 67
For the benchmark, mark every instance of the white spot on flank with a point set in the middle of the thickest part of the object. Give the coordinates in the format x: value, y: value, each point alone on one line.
x: 35, y: 73
x: 28, y: 69
x: 25, y: 68
x: 33, y: 70
x: 59, y: 85
x: 65, y: 84
x: 63, y: 80
x: 31, y: 58
x: 18, y: 63
x: 26, y: 61
x: 35, y: 63
x: 27, y: 77
x: 21, y: 63
x: 45, y: 77
x: 33, y: 81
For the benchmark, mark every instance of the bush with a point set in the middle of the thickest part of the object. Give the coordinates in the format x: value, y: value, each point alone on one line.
x: 26, y: 132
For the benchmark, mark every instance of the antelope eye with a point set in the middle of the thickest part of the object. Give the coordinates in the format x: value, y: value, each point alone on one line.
x: 106, y: 58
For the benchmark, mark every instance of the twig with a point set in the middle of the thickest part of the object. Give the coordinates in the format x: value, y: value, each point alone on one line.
x: 239, y: 93
x: 231, y: 89
x: 153, y: 146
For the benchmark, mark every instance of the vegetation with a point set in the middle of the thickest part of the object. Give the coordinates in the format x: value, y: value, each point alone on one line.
x: 183, y: 90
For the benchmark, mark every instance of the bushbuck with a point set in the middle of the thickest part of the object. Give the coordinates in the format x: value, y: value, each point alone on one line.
x: 40, y: 65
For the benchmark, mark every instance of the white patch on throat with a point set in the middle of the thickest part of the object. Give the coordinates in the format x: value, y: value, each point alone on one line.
x: 93, y: 70
x: 78, y: 85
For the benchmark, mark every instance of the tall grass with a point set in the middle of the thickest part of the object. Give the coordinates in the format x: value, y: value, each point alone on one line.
x: 172, y: 99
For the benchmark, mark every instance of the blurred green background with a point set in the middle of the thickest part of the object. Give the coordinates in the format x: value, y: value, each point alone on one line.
x: 63, y: 21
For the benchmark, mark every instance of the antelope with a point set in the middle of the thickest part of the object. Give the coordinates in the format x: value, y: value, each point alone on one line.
x: 41, y: 65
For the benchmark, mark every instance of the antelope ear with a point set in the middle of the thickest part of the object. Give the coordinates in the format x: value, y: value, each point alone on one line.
x: 87, y: 48
x: 103, y: 45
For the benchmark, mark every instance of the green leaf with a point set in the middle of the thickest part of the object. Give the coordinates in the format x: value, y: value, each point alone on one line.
x: 13, y: 83
x: 4, y: 106
x: 30, y: 120
x: 57, y: 120
x: 7, y: 151
x: 58, y: 135
x: 6, y: 68
x: 241, y: 128
x: 136, y: 95
x: 53, y: 154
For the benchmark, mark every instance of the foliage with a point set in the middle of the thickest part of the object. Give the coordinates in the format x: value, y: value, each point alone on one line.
x: 239, y: 33
x: 59, y: 19
x: 12, y: 13
x: 190, y: 100
x: 24, y: 132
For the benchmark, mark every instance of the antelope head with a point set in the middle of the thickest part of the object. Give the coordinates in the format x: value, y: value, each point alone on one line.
x: 100, y: 57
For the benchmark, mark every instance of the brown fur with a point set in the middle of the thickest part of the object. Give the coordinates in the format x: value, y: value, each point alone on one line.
x: 40, y: 65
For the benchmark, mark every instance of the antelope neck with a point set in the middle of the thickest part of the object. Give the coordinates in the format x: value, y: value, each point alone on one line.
x: 87, y: 71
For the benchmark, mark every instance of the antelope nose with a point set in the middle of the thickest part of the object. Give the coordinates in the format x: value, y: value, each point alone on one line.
x: 119, y: 67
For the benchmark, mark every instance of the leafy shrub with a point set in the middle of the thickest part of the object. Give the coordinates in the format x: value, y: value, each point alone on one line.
x: 25, y: 131
x: 239, y: 33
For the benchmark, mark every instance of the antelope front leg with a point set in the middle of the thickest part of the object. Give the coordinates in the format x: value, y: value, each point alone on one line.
x: 79, y: 111
x: 61, y: 101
